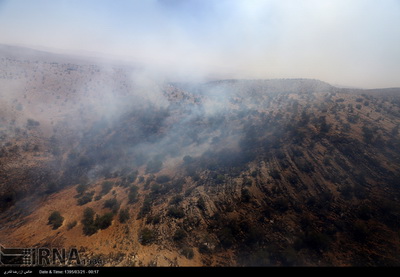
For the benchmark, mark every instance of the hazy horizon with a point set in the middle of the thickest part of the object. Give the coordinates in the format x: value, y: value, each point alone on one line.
x: 349, y: 43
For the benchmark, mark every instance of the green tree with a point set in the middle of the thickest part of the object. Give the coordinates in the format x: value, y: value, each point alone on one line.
x: 275, y: 174
x: 132, y: 177
x: 89, y: 227
x: 104, y: 221
x: 112, y: 204
x: 146, y: 236
x: 176, y: 200
x: 56, y: 219
x: 179, y: 235
x: 133, y: 194
x: 51, y: 187
x: 246, y: 196
x: 175, y: 212
x: 89, y: 230
x: 187, y: 252
x: 163, y: 179
x: 146, y: 207
x: 220, y: 179
x: 32, y: 123
x: 85, y: 198
x: 368, y: 134
x: 201, y: 204
x: 226, y: 237
x: 81, y: 188
x: 106, y: 187
x: 124, y: 215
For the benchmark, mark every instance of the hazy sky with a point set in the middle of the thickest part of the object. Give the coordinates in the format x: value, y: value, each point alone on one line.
x: 348, y: 42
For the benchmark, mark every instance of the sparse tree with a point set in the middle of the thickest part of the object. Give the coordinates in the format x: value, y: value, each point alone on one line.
x: 56, y: 219
x: 175, y: 212
x: 85, y: 198
x: 133, y: 194
x: 106, y: 187
x: 147, y: 236
x: 187, y: 252
x: 112, y: 204
x: 179, y: 235
x: 124, y: 215
x: 81, y: 188
x: 104, y: 221
x: 89, y: 227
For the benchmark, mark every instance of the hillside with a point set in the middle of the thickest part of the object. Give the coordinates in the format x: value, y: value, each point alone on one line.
x: 279, y: 172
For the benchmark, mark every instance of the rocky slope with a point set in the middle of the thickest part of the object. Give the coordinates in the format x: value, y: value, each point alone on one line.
x: 231, y: 172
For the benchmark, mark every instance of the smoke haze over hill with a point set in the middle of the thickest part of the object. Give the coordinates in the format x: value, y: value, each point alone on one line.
x: 200, y: 132
x: 223, y: 172
x: 353, y: 43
